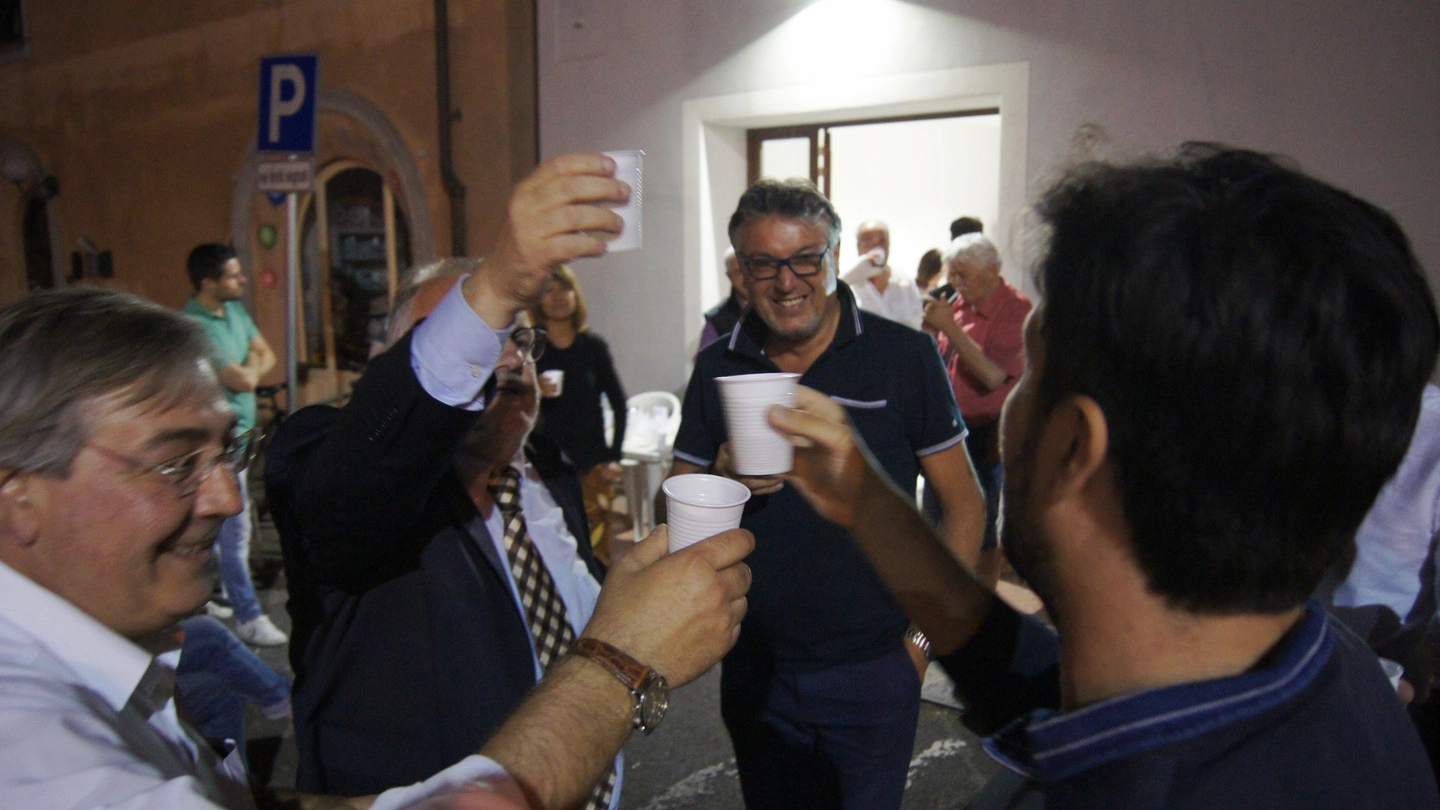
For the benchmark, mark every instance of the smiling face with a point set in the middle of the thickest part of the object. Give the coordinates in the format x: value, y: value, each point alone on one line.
x: 117, y: 539
x: 795, y: 309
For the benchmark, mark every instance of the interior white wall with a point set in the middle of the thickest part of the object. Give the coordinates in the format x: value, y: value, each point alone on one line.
x: 1351, y: 91
x: 915, y: 176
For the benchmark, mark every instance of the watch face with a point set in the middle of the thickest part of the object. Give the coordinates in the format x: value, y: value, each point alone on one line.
x: 654, y: 700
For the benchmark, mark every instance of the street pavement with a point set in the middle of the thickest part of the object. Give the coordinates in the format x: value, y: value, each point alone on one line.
x: 688, y: 763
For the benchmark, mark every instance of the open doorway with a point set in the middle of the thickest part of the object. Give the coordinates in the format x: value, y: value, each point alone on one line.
x: 355, y: 246
x: 915, y: 173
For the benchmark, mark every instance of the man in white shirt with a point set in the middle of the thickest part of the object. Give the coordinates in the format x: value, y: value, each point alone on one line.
x: 876, y: 288
x: 117, y: 467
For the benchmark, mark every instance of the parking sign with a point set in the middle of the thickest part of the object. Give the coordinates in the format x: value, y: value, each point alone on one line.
x: 289, y: 86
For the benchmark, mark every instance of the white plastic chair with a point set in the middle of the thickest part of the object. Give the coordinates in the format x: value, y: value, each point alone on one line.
x: 651, y: 425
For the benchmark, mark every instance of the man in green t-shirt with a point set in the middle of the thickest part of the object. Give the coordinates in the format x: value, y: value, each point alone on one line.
x: 241, y: 357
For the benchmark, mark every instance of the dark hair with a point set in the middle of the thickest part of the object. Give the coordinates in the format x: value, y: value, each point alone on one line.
x: 208, y: 261
x: 1258, y: 341
x: 929, y: 267
x: 965, y: 225
x: 62, y: 349
x: 796, y: 198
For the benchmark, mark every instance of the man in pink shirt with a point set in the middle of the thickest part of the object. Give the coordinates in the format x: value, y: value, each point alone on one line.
x: 981, y: 341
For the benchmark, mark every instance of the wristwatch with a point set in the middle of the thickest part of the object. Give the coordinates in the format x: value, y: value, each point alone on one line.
x: 651, y: 691
x: 914, y: 636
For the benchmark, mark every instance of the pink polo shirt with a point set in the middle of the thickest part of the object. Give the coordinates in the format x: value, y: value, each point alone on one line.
x: 999, y: 328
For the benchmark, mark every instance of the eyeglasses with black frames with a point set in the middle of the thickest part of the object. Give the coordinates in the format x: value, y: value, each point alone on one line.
x: 763, y: 268
x: 186, y: 473
x: 530, y: 340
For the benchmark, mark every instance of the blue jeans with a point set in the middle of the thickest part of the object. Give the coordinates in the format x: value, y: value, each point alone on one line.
x: 217, y: 674
x: 234, y: 547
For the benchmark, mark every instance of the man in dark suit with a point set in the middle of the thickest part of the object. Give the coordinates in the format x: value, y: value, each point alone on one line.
x: 409, y: 607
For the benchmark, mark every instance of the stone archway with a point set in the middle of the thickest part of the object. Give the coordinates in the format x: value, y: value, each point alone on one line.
x: 389, y: 147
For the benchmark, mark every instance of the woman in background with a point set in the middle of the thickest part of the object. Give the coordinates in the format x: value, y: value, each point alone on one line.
x: 570, y: 411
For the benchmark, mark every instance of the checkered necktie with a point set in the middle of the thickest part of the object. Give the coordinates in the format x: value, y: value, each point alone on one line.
x: 549, y: 623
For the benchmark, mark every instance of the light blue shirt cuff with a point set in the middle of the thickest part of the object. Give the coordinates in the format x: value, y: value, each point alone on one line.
x: 454, y: 352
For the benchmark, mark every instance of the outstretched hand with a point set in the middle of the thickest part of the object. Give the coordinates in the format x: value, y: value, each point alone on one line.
x: 552, y: 218
x: 681, y: 612
x: 830, y: 462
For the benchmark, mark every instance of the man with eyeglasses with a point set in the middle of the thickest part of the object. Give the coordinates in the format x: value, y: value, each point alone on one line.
x: 117, y: 467
x: 821, y: 693
x: 241, y: 356
x: 435, y: 576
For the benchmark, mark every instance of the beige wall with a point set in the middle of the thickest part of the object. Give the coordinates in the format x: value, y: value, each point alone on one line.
x: 146, y: 113
x: 1350, y: 90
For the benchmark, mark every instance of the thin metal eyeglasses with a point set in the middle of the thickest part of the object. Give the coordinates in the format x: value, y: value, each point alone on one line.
x: 530, y: 340
x: 186, y: 473
x: 764, y: 268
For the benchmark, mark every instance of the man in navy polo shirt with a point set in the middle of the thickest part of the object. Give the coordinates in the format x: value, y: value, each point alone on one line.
x: 1226, y: 368
x: 821, y: 694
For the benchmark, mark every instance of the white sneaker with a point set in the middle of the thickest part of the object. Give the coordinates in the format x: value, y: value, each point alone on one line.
x: 219, y: 611
x: 261, y: 632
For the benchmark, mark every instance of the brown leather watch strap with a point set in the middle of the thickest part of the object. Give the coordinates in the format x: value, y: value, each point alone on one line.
x: 630, y: 672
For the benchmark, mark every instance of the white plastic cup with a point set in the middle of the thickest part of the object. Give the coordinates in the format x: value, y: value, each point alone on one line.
x: 555, y: 377
x: 698, y: 506
x: 755, y: 447
x: 629, y: 166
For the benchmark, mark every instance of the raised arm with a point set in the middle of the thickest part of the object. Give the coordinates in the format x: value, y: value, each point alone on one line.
x: 836, y: 474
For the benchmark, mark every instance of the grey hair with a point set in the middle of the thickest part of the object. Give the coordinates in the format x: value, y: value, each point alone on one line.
x: 972, y: 247
x: 60, y: 350
x: 399, y: 320
x: 796, y: 198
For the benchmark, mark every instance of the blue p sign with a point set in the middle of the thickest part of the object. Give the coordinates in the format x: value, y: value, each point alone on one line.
x: 289, y: 86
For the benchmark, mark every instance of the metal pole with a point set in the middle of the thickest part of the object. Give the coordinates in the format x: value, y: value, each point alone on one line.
x: 292, y: 299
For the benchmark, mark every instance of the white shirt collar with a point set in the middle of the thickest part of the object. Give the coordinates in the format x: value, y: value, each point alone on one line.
x: 109, y: 664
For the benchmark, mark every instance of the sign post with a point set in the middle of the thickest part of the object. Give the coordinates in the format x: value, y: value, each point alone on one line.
x: 289, y: 87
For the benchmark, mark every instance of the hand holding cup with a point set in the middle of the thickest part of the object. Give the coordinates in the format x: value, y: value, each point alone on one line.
x: 678, y: 613
x: 552, y: 218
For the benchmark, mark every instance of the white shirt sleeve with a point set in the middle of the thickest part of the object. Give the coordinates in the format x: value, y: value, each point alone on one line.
x: 473, y: 773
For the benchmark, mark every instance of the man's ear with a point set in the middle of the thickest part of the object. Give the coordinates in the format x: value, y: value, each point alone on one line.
x: 1074, y: 440
x: 17, y: 509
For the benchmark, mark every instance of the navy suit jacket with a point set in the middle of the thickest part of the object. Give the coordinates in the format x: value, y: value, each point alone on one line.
x: 408, y: 648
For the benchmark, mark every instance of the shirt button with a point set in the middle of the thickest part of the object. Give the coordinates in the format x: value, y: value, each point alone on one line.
x: 477, y: 371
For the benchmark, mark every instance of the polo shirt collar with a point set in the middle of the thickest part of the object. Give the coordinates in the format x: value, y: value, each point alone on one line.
x: 1052, y: 747
x: 749, y: 336
x: 193, y: 307
x: 102, y: 660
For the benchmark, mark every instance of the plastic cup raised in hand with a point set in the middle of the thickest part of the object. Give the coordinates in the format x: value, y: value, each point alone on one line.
x: 700, y: 506
x: 554, y: 377
x: 629, y: 166
x: 755, y: 447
